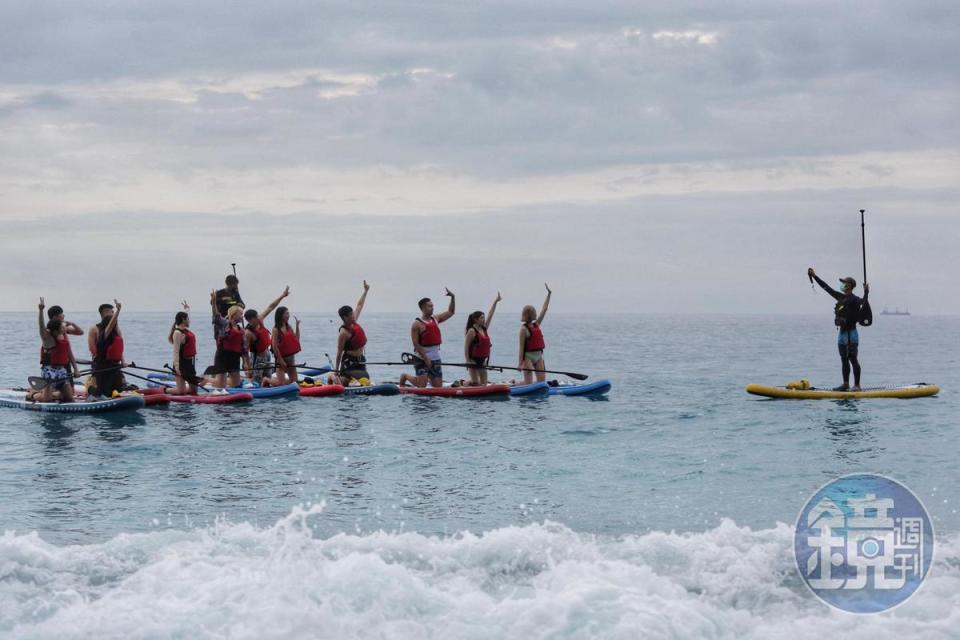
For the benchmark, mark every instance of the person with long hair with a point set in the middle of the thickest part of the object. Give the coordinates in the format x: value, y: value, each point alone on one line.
x: 531, y: 341
x: 184, y: 344
x: 261, y: 341
x: 232, y: 346
x: 477, y: 344
x: 286, y: 345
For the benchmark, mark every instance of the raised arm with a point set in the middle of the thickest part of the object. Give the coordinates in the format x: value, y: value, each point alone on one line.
x: 836, y: 295
x: 273, y: 305
x: 363, y: 298
x: 112, y: 325
x: 48, y: 340
x: 546, y: 305
x: 446, y: 315
x: 493, y: 309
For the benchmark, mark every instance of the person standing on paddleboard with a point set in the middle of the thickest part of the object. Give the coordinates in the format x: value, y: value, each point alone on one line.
x: 261, y: 341
x: 232, y: 345
x: 531, y: 341
x: 184, y: 344
x: 229, y: 296
x: 286, y: 345
x: 426, y: 337
x: 351, y: 363
x: 56, y: 356
x: 105, y: 341
x: 477, y: 345
x: 847, y: 313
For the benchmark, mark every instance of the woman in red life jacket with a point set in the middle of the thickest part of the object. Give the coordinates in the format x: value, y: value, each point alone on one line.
x: 261, y: 342
x: 351, y: 344
x: 532, y: 343
x: 184, y: 344
x: 426, y: 338
x: 286, y: 345
x: 476, y: 344
x: 105, y: 341
x: 56, y: 360
x: 232, y: 349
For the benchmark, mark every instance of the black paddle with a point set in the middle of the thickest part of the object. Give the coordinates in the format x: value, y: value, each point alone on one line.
x: 38, y: 383
x: 866, y: 313
x: 409, y: 358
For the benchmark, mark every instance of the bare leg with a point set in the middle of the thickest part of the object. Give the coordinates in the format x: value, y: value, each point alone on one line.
x: 527, y: 367
x: 540, y: 366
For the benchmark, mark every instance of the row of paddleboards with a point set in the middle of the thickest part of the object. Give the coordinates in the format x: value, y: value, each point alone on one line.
x: 156, y: 393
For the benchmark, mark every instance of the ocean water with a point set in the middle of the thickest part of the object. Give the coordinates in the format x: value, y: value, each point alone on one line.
x: 665, y: 510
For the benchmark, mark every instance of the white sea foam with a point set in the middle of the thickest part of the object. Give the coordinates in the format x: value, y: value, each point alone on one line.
x: 537, y: 581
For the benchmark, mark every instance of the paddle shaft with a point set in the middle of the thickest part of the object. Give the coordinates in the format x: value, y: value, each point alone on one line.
x: 863, y: 244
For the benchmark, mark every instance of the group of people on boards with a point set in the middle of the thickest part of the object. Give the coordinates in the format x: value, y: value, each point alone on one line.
x: 268, y: 356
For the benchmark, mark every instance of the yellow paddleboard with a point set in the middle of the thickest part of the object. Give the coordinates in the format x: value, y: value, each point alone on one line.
x: 920, y: 390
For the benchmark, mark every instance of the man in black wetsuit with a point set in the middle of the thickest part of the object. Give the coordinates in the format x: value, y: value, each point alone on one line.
x: 847, y: 313
x: 229, y: 296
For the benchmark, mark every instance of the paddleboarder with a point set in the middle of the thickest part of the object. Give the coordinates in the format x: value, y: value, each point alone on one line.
x: 476, y: 343
x: 229, y: 296
x: 184, y: 344
x: 286, y: 345
x: 232, y: 348
x: 105, y: 341
x: 260, y: 341
x: 351, y: 363
x: 56, y: 356
x: 847, y: 314
x: 426, y: 337
x: 532, y: 344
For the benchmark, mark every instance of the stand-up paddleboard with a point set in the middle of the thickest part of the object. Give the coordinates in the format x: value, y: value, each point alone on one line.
x: 212, y: 398
x: 18, y: 400
x: 291, y: 389
x: 382, y: 389
x: 459, y: 392
x: 321, y: 390
x: 533, y: 389
x: 919, y: 390
x: 595, y: 388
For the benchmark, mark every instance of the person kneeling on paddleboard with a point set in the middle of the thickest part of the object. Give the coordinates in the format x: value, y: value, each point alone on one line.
x: 105, y: 341
x: 286, y: 346
x: 184, y: 344
x: 261, y: 342
x: 848, y: 312
x: 426, y: 337
x: 231, y: 346
x: 531, y: 341
x: 351, y: 364
x: 477, y: 345
x: 56, y: 359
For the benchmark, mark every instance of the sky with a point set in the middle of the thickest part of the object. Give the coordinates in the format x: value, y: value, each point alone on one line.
x: 638, y: 156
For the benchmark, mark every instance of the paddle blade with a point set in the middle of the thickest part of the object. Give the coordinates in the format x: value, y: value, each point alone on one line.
x: 577, y: 376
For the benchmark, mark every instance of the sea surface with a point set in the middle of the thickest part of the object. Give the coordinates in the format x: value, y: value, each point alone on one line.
x: 664, y: 510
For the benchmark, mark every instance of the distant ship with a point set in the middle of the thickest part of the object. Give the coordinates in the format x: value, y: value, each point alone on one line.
x: 895, y: 312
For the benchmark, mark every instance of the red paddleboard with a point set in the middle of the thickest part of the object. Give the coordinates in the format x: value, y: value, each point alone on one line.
x: 213, y: 398
x: 319, y: 390
x: 459, y: 392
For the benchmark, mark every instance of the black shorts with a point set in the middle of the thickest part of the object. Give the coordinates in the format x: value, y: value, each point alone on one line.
x: 352, y: 367
x: 226, y: 361
x: 848, y: 350
x: 479, y: 363
x: 109, y: 378
x: 188, y: 369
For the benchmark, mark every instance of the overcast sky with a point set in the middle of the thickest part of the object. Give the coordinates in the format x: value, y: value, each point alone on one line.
x: 638, y: 156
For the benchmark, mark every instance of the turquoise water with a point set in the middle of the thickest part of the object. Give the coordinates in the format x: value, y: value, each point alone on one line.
x: 665, y: 507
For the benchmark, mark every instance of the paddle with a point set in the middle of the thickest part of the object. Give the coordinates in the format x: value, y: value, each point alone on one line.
x: 38, y: 383
x: 866, y: 313
x: 410, y: 358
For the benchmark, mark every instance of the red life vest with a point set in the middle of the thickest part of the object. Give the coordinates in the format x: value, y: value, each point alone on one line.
x: 188, y: 348
x: 110, y: 349
x: 59, y: 356
x: 481, y: 346
x: 535, y: 339
x: 289, y: 344
x: 430, y: 336
x: 232, y: 340
x: 358, y: 338
x: 263, y: 339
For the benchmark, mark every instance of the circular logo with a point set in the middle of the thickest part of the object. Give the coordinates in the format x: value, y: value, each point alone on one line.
x: 863, y: 543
